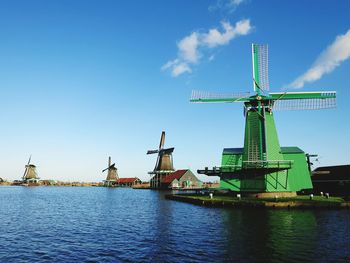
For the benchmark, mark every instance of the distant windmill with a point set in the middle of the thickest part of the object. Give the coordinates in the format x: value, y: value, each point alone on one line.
x: 112, y: 174
x: 30, y: 175
x: 164, y: 164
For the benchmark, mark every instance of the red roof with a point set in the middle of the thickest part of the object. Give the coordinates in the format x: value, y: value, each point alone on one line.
x: 175, y: 175
x: 127, y: 180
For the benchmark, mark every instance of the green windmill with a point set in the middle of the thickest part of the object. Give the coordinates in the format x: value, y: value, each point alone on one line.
x: 262, y: 165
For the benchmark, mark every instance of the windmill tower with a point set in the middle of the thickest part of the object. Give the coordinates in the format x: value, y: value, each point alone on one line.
x: 262, y: 165
x: 164, y: 164
x: 112, y: 174
x: 30, y: 175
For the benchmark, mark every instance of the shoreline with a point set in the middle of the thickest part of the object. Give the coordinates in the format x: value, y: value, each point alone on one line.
x: 299, y: 202
x: 58, y: 185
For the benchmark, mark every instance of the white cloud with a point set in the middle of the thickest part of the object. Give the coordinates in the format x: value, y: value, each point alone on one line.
x: 190, y: 46
x: 177, y: 67
x: 234, y: 3
x: 214, y: 38
x: 327, y: 61
x: 180, y: 68
x: 243, y: 27
x: 226, y: 5
x: 169, y: 64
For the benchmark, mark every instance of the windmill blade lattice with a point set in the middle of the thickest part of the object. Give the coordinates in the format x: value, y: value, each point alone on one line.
x: 304, y: 104
x: 260, y: 67
x: 152, y: 151
x: 204, y: 96
x: 25, y: 172
x: 162, y: 140
x: 304, y: 100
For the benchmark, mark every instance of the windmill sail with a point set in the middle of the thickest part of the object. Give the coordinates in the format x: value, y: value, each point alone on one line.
x: 260, y: 67
x: 26, y: 168
x: 303, y: 100
x: 162, y: 140
x: 205, y: 97
x: 25, y: 172
x: 164, y: 158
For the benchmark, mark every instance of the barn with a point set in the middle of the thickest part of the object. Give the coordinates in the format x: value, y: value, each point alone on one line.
x: 183, y: 179
x: 128, y: 182
x: 334, y: 180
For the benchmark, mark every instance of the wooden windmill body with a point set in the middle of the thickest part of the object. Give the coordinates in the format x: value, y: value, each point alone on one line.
x: 30, y: 176
x: 164, y: 164
x: 112, y: 174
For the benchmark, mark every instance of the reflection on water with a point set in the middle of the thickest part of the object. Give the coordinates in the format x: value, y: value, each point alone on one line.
x: 282, y: 235
x: 77, y: 224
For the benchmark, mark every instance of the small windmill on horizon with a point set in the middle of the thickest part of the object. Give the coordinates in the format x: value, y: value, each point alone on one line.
x: 30, y: 176
x: 112, y: 174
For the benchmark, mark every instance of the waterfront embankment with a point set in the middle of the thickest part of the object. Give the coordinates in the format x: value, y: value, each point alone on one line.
x: 304, y: 201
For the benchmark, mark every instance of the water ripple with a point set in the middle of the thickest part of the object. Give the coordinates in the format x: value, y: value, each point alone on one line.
x: 87, y: 224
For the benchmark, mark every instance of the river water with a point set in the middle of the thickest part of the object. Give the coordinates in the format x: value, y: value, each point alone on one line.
x: 95, y: 224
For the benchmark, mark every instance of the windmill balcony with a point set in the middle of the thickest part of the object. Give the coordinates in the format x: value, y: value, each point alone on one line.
x: 270, y: 164
x: 161, y: 172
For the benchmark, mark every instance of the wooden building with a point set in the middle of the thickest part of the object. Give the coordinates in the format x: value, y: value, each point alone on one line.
x: 334, y: 180
x: 128, y: 182
x: 183, y: 179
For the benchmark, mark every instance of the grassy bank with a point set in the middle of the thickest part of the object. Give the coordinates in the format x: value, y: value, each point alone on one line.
x: 289, y: 202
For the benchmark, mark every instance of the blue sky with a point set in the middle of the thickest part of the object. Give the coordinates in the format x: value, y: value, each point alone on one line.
x: 82, y: 80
